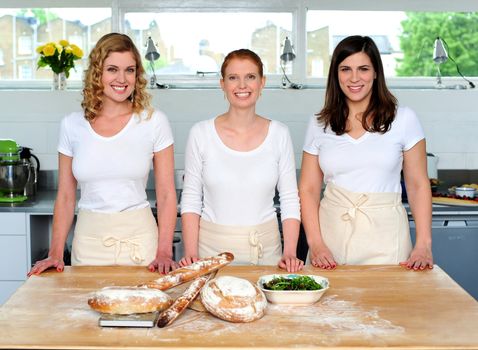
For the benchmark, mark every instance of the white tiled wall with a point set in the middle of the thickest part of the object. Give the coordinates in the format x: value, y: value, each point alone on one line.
x: 449, y: 117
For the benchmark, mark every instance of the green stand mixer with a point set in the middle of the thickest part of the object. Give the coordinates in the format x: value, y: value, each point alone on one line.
x: 14, y: 172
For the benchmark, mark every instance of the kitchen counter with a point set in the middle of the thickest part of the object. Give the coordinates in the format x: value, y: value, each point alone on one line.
x: 365, y: 307
x: 44, y: 201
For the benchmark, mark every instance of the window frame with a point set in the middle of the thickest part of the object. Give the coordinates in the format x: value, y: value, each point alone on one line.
x: 298, y: 9
x: 201, y: 6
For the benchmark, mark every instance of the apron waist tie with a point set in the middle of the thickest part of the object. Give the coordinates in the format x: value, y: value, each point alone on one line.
x: 351, y: 212
x: 350, y: 215
x: 134, y: 248
x: 256, y: 247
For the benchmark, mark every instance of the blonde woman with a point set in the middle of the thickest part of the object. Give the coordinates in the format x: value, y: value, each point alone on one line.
x: 108, y: 149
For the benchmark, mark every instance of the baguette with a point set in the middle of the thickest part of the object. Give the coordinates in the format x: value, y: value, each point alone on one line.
x: 129, y: 300
x: 197, y: 304
x: 188, y: 273
x: 182, y: 302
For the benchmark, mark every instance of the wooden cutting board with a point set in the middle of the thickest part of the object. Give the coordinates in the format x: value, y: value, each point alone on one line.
x: 454, y: 201
x: 367, y: 307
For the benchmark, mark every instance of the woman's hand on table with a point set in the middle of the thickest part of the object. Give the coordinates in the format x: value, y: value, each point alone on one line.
x: 321, y: 256
x: 291, y: 263
x: 163, y: 264
x: 421, y: 258
x: 188, y: 260
x: 45, y: 264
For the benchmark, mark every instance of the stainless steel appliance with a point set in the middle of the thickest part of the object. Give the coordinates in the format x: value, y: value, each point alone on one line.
x: 34, y: 165
x: 455, y: 243
x: 14, y: 172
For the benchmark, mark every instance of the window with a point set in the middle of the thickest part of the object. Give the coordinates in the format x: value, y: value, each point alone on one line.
x: 195, y: 43
x: 405, y: 40
x: 193, y: 36
x: 25, y: 71
x: 25, y: 43
x: 22, y: 30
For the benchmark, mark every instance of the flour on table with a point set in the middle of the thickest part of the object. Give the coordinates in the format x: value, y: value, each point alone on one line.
x: 338, y: 315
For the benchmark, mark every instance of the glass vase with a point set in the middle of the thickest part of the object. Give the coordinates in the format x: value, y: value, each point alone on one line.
x: 59, y: 81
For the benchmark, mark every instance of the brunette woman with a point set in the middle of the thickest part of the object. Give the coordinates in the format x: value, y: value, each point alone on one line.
x: 357, y: 145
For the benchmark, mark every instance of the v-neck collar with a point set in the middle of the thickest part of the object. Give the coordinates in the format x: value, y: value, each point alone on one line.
x: 361, y: 139
x: 115, y: 136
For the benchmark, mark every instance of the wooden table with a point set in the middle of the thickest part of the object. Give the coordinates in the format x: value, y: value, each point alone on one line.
x: 366, y: 307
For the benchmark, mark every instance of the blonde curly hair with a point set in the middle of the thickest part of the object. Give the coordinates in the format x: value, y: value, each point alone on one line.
x: 93, y: 88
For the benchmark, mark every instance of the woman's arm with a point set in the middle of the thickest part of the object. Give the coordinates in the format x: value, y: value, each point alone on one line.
x: 163, y: 163
x: 190, y: 233
x: 290, y: 231
x: 191, y: 199
x: 289, y: 205
x: 310, y: 186
x: 63, y: 213
x: 419, y: 197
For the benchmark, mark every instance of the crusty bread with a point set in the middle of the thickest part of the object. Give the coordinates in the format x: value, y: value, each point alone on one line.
x: 181, y: 303
x: 197, y: 305
x: 129, y: 300
x: 233, y: 299
x: 188, y: 273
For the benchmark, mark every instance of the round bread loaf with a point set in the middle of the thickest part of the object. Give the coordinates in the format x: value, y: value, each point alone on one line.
x: 197, y: 305
x: 233, y: 299
x: 129, y: 300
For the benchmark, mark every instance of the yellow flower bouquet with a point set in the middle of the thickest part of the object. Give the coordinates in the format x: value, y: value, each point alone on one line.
x: 60, y: 57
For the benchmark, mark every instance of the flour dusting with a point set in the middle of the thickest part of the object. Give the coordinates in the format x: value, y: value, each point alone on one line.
x: 233, y: 299
x: 127, y: 294
x: 233, y: 286
x: 338, y: 315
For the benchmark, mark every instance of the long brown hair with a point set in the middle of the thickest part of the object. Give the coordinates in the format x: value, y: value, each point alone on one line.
x: 93, y: 88
x: 383, y: 105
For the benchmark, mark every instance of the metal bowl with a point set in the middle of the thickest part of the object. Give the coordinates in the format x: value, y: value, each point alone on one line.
x: 468, y: 192
x: 13, y: 178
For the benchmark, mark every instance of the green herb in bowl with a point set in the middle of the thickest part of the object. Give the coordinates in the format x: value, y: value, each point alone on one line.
x: 293, y: 283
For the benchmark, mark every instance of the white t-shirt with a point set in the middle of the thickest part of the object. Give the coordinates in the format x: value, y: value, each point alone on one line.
x: 229, y: 187
x: 112, y: 171
x: 371, y: 163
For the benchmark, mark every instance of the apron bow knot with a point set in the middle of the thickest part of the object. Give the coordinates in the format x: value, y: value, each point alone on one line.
x: 351, y: 212
x: 134, y: 251
x: 256, y: 247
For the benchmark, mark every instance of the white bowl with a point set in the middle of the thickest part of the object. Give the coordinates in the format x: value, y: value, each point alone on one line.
x: 465, y: 192
x: 293, y: 297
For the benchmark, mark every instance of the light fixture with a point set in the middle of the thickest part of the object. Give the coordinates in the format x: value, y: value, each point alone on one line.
x: 439, y: 52
x: 288, y: 55
x: 440, y: 56
x: 152, y: 55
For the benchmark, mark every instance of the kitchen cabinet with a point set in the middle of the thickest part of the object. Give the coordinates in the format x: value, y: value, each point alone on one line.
x: 14, y: 257
x: 454, y: 244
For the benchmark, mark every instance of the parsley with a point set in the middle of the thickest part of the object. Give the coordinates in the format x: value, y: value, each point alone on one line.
x: 294, y: 283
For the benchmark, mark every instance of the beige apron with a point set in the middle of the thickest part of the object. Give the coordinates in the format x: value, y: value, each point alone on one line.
x: 364, y: 228
x: 123, y: 238
x: 251, y: 245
